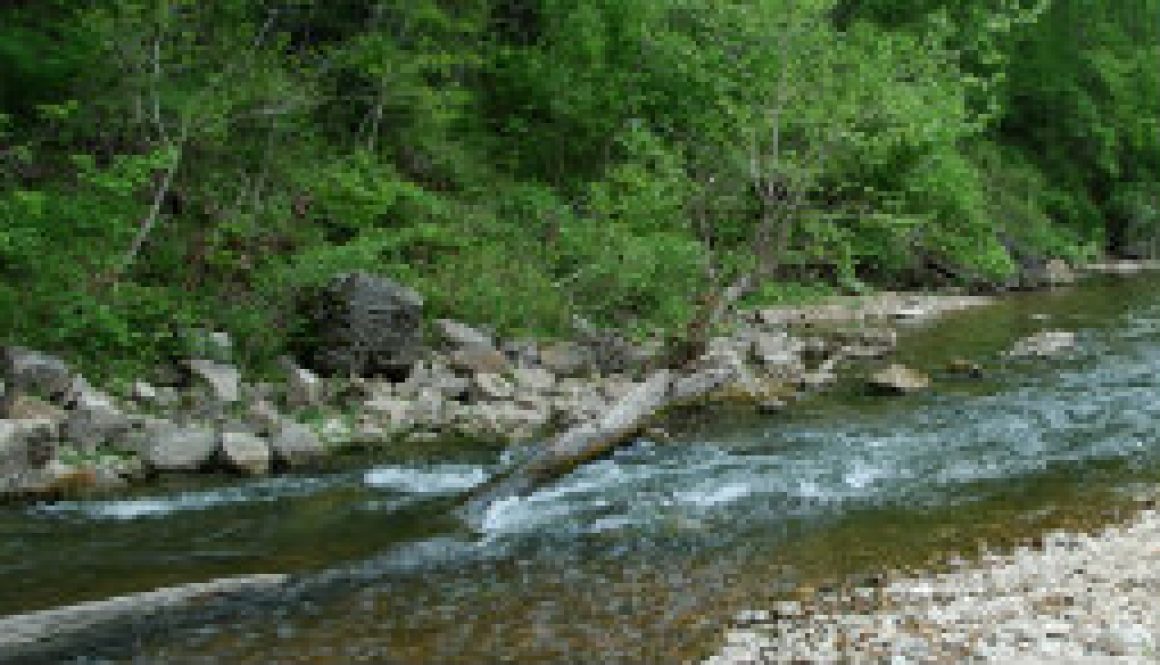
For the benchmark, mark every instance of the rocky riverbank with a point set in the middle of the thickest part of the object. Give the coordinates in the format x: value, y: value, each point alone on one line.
x: 395, y: 378
x: 1071, y: 597
x: 60, y: 434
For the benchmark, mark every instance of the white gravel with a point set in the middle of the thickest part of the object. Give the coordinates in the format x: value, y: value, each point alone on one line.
x: 1078, y: 599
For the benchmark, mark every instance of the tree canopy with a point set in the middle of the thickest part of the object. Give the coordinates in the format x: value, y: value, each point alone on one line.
x: 520, y: 161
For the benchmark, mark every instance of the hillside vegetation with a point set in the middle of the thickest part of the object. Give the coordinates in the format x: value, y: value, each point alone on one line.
x: 175, y: 163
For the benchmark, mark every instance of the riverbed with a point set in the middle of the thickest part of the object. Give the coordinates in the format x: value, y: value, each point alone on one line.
x: 646, y: 556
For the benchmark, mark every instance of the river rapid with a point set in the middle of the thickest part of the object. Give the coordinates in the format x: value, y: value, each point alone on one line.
x: 648, y: 555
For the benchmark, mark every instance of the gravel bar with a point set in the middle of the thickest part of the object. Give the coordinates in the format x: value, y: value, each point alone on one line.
x: 1072, y: 598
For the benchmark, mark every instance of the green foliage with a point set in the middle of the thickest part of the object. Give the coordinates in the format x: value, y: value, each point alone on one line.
x: 522, y: 162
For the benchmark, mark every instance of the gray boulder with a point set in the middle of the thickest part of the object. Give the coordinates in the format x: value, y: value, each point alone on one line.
x: 144, y: 393
x: 93, y: 418
x: 27, y: 407
x: 245, y: 453
x: 522, y: 352
x: 492, y: 387
x: 25, y: 371
x: 365, y: 325
x: 264, y: 417
x: 296, y: 445
x: 565, y: 359
x: 479, y: 360
x: 437, y: 376
x: 303, y: 387
x: 898, y: 380
x: 779, y: 355
x: 458, y: 335
x: 25, y: 445
x: 222, y: 381
x: 167, y: 447
x: 533, y: 379
x: 398, y: 413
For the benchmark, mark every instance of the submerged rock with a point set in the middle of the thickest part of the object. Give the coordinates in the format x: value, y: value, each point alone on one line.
x: 898, y: 380
x: 963, y: 367
x: 1046, y: 344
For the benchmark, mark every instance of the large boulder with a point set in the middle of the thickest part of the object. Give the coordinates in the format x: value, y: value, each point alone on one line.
x: 167, y: 447
x: 295, y: 445
x: 533, y: 379
x: 221, y: 381
x: 244, y: 453
x: 364, y: 325
x: 779, y: 355
x: 93, y: 418
x: 25, y: 446
x: 898, y: 380
x: 565, y: 359
x: 25, y: 372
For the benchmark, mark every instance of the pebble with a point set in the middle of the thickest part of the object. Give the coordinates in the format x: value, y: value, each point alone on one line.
x: 1081, y: 598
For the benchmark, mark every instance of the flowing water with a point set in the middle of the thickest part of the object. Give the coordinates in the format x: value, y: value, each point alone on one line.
x: 645, y: 556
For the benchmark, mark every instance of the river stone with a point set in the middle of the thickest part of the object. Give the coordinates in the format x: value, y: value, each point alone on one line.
x: 296, y: 444
x: 25, y: 371
x: 458, y: 335
x: 364, y: 325
x: 898, y: 380
x: 564, y: 359
x: 522, y: 352
x: 27, y: 407
x: 93, y: 419
x: 492, y: 387
x: 1058, y: 273
x: 167, y: 447
x: 264, y: 417
x: 223, y: 381
x: 1046, y: 344
x: 245, y: 453
x: 144, y: 393
x: 508, y: 421
x: 964, y: 367
x: 25, y: 444
x: 303, y: 387
x: 437, y: 376
x: 778, y: 354
x: 479, y: 360
x: 534, y: 379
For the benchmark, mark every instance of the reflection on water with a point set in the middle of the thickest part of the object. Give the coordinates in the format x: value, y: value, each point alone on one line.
x: 643, y: 556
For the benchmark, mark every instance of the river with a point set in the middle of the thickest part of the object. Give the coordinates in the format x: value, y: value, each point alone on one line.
x: 646, y: 556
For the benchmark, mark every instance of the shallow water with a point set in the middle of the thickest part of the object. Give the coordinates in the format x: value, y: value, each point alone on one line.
x: 645, y: 556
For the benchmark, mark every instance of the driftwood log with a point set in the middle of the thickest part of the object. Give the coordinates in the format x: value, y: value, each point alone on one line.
x: 589, y: 441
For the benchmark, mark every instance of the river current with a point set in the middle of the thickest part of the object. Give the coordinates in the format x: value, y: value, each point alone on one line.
x: 647, y: 555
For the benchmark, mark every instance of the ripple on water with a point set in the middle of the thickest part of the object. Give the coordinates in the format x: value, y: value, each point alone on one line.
x: 438, y: 479
x: 261, y: 491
